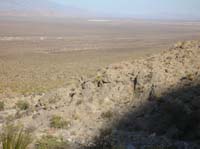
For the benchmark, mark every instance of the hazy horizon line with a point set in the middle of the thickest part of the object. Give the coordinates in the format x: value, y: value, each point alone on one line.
x: 100, y: 18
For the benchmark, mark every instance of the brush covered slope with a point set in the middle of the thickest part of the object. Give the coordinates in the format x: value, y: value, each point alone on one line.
x: 149, y: 102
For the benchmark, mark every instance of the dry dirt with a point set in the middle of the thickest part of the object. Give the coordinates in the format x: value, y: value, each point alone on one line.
x: 37, y: 55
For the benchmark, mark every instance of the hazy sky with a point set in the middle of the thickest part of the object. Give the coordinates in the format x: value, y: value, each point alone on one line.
x: 140, y: 8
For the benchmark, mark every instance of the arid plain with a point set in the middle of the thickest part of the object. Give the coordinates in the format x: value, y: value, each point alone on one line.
x: 37, y: 55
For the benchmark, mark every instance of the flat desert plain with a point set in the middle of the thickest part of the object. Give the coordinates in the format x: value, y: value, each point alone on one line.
x: 37, y: 55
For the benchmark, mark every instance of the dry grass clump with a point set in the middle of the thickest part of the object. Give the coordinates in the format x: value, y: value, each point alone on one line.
x: 50, y: 142
x: 14, y: 137
x: 22, y: 105
x: 59, y: 122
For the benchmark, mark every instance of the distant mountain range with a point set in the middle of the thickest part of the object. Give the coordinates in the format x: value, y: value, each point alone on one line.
x: 39, y: 8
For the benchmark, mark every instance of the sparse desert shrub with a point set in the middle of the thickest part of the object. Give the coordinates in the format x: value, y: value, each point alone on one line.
x: 50, y: 142
x: 58, y: 122
x: 10, y: 118
x: 22, y: 105
x: 107, y: 115
x: 1, y: 105
x: 76, y: 116
x: 54, y: 98
x: 14, y: 137
x: 99, y: 81
x: 79, y: 102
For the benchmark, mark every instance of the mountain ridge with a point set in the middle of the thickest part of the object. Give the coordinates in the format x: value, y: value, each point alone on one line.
x: 39, y: 8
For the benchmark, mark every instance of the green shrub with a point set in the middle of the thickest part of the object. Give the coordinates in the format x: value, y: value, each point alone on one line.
x: 50, y: 142
x: 13, y: 137
x: 58, y: 122
x: 1, y: 105
x: 22, y: 105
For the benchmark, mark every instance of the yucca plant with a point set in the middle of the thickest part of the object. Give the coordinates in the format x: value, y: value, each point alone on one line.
x: 14, y: 137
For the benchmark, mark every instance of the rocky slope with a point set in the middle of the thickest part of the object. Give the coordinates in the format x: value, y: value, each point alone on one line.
x: 153, y: 101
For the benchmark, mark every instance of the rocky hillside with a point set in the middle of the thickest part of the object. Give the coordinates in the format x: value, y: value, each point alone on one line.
x: 149, y: 102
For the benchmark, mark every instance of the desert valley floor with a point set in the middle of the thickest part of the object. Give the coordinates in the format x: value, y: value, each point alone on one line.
x: 37, y: 55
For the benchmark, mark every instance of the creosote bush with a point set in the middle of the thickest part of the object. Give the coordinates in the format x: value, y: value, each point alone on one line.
x: 14, y: 137
x: 22, y: 105
x: 58, y: 122
x: 51, y: 142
